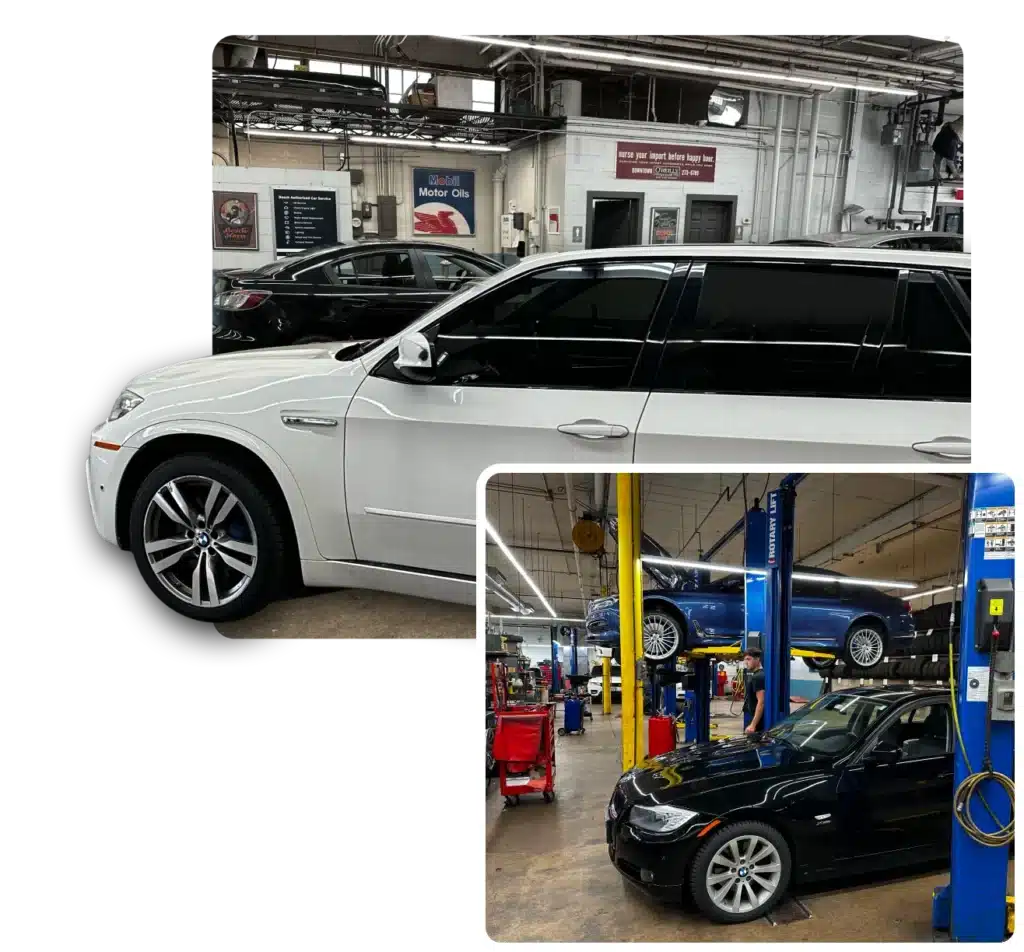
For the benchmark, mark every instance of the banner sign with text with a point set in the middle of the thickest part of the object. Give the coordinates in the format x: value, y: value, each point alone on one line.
x: 666, y: 163
x: 443, y: 202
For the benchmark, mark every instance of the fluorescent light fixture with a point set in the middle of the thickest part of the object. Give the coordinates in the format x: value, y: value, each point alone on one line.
x: 844, y: 580
x: 544, y: 622
x: 294, y: 134
x: 713, y: 566
x: 500, y: 543
x: 428, y: 144
x: 934, y: 591
x: 797, y: 576
x: 681, y: 66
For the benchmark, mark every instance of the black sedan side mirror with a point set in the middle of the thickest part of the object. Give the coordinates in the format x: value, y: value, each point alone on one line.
x: 883, y: 754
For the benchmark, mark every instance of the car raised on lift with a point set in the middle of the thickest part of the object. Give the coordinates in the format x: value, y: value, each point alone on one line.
x: 355, y: 464
x: 858, y: 781
x: 859, y: 624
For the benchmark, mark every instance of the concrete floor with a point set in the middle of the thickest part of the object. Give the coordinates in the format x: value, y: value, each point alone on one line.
x: 549, y: 876
x: 352, y: 613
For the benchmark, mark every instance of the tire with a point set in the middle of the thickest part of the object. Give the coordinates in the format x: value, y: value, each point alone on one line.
x: 864, y: 645
x: 245, y: 552
x: 741, y: 840
x: 662, y: 634
x: 820, y: 665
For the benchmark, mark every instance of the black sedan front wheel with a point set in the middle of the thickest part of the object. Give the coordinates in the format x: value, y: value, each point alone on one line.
x: 741, y: 872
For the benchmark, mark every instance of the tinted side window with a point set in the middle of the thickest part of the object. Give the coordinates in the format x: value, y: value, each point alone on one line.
x: 782, y: 329
x: 826, y: 588
x: 964, y: 280
x: 923, y: 731
x: 384, y: 269
x: 451, y: 272
x: 928, y: 355
x: 569, y: 327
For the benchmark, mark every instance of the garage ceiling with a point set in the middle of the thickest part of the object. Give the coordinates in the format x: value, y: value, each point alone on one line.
x: 929, y: 65
x: 903, y: 527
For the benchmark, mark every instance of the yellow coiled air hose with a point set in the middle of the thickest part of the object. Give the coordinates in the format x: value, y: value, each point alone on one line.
x: 972, y: 785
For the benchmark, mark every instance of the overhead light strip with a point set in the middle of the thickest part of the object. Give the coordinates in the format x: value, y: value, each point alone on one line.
x: 293, y: 134
x: 934, y: 591
x: 500, y: 543
x: 680, y: 66
x: 429, y: 144
x: 797, y: 576
x: 537, y: 622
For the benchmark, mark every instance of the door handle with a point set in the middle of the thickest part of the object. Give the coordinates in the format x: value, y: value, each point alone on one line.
x: 594, y: 430
x: 310, y: 421
x: 948, y: 447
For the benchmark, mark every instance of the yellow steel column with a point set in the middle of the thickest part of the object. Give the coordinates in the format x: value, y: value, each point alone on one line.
x: 627, y: 651
x: 606, y: 685
x: 638, y: 618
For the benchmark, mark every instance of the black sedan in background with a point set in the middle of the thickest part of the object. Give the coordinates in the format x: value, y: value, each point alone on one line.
x: 858, y: 781
x: 345, y: 292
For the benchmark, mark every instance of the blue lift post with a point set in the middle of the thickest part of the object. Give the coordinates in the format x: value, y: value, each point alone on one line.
x: 973, y: 905
x: 756, y: 607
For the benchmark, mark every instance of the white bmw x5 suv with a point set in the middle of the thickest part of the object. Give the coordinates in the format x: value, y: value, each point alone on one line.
x: 355, y: 464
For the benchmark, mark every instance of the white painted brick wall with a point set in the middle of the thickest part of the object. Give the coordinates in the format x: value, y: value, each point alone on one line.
x: 310, y: 159
x: 263, y: 181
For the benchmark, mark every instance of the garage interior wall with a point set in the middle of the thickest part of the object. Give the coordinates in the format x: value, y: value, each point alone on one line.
x: 322, y: 158
x: 263, y: 181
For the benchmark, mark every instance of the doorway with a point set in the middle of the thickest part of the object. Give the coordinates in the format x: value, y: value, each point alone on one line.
x: 614, y: 219
x: 710, y: 220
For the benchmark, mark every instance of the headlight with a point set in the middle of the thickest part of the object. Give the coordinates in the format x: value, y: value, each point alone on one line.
x: 660, y: 819
x: 125, y: 403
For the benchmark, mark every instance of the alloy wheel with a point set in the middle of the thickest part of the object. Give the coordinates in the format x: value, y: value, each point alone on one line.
x: 865, y: 647
x: 661, y: 637
x: 200, y: 541
x: 744, y: 874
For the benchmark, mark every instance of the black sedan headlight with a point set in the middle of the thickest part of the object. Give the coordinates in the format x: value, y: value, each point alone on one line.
x: 659, y: 819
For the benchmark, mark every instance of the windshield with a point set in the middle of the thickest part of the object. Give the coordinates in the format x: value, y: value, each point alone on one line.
x: 830, y: 725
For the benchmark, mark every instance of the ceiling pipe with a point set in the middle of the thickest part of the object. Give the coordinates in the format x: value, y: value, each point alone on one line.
x: 784, y: 68
x: 802, y: 51
x: 906, y: 73
x: 812, y: 155
x: 792, y: 206
x: 570, y: 498
x: 773, y: 196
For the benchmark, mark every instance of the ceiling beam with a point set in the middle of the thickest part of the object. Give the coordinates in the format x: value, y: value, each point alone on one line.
x: 926, y: 506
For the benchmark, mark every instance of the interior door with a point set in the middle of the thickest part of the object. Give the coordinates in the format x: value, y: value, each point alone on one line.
x: 791, y: 362
x: 708, y: 221
x: 539, y: 369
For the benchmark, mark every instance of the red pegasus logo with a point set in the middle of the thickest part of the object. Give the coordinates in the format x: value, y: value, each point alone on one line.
x: 439, y: 224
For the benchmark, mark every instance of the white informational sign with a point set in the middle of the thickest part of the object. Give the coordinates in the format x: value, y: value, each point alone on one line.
x: 996, y: 525
x: 507, y: 238
x: 977, y: 684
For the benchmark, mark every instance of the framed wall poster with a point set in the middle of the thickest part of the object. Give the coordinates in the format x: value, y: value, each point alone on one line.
x: 444, y: 202
x: 304, y: 218
x: 664, y: 226
x: 235, y: 221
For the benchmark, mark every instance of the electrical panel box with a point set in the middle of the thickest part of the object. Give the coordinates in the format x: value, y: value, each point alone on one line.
x: 507, y: 240
x: 387, y: 216
x: 366, y: 211
x: 893, y: 134
x: 993, y: 635
x: 993, y: 628
x: 519, y: 221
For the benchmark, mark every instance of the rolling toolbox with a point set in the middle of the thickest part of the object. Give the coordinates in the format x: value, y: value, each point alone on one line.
x: 572, y: 717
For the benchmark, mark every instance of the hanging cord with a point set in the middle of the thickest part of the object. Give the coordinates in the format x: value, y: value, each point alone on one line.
x: 971, y: 784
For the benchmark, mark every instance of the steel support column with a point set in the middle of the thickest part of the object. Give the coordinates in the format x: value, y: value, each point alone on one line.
x: 630, y: 618
x: 973, y: 906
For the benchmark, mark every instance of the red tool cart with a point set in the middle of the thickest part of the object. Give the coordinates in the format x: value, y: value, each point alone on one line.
x: 524, y: 748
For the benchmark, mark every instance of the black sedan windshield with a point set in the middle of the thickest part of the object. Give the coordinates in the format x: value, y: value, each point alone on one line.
x: 830, y: 725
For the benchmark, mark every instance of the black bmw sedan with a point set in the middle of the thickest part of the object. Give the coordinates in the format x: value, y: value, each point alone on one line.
x: 345, y: 292
x: 858, y: 781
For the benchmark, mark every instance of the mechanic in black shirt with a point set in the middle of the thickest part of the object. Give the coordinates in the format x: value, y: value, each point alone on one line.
x: 753, y: 692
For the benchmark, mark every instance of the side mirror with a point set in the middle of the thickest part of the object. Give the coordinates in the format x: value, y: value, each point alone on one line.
x: 415, y: 358
x: 883, y: 754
